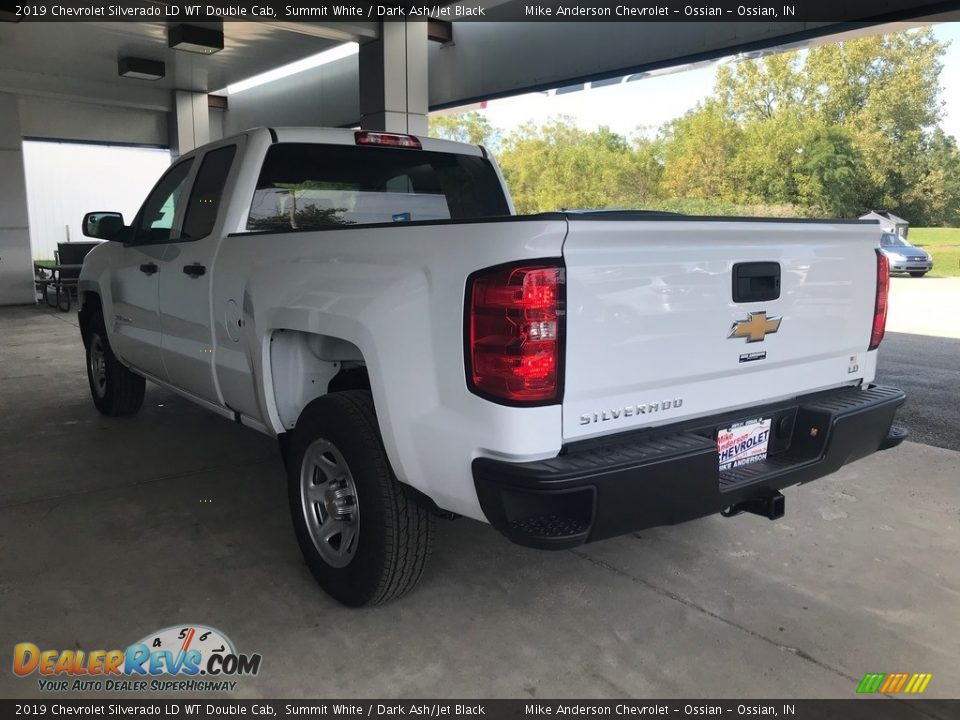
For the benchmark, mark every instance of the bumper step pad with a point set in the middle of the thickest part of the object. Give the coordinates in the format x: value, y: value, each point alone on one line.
x: 550, y: 526
x: 812, y: 433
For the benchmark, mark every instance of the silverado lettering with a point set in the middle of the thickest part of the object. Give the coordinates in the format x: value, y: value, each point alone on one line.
x: 630, y: 411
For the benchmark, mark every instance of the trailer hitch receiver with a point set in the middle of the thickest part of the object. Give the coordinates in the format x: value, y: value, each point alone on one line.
x: 769, y: 505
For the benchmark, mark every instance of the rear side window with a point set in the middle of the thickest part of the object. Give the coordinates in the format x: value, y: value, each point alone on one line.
x: 305, y: 186
x: 207, y: 193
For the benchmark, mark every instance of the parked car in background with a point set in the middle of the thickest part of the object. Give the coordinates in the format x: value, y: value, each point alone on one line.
x: 904, y: 257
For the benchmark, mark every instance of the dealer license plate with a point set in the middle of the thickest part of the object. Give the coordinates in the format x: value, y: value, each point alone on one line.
x: 743, y: 443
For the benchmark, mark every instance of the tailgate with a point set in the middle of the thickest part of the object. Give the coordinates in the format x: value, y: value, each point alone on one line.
x: 656, y: 335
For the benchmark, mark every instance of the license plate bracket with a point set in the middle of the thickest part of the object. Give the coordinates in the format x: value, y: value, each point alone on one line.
x: 744, y: 442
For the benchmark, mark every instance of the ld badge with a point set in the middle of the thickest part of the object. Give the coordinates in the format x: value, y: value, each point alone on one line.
x: 756, y: 327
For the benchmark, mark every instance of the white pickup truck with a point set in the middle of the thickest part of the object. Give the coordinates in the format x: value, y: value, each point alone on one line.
x: 371, y: 300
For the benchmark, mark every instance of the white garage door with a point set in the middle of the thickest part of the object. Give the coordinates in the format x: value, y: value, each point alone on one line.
x: 66, y: 180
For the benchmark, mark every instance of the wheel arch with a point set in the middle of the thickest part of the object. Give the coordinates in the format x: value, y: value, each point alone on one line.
x: 90, y: 303
x: 305, y: 365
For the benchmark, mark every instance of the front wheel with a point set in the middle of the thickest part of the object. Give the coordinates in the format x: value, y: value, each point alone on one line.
x: 362, y: 533
x: 115, y: 390
x: 918, y: 274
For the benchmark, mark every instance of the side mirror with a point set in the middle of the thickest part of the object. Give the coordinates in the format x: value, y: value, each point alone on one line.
x: 103, y: 225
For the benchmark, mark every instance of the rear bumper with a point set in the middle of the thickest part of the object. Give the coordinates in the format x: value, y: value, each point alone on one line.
x: 911, y: 266
x: 664, y: 476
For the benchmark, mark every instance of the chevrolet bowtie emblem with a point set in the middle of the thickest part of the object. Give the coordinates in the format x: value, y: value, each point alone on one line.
x: 756, y: 327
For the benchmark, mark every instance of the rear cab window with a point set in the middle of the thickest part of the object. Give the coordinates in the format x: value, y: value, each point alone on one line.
x: 204, y: 204
x: 310, y: 186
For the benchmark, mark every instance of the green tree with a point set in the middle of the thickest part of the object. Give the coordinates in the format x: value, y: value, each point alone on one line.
x: 828, y: 172
x: 755, y: 90
x: 938, y: 191
x: 471, y: 127
x: 784, y: 159
x: 884, y: 90
x: 841, y: 128
x: 559, y: 166
x: 698, y: 150
x: 763, y: 162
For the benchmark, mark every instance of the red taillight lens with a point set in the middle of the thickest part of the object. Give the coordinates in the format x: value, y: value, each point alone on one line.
x: 880, y: 306
x: 366, y: 137
x: 515, y: 333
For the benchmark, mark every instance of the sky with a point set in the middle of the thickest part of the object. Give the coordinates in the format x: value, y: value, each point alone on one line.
x: 645, y: 104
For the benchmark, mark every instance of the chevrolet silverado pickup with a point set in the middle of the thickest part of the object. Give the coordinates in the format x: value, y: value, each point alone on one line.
x: 419, y: 350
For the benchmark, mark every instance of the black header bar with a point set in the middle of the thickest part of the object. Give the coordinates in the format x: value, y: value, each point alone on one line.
x: 880, y: 708
x: 346, y: 11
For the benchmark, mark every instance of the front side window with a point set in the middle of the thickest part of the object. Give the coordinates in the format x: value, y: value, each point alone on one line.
x: 310, y: 186
x: 155, y: 220
x: 204, y: 203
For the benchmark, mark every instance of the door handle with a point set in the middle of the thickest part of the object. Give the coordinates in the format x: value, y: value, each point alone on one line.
x: 195, y: 270
x: 148, y: 268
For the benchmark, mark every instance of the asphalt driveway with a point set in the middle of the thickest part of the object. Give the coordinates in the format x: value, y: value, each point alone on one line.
x: 921, y: 354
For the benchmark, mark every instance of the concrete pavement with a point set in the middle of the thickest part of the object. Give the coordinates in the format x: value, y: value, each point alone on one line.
x: 112, y: 528
x: 925, y: 306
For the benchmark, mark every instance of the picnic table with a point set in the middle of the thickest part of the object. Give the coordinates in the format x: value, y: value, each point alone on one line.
x: 62, y: 278
x: 64, y: 274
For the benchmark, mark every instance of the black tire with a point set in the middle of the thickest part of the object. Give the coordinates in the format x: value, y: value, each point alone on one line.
x: 918, y: 274
x: 115, y: 390
x: 388, y: 550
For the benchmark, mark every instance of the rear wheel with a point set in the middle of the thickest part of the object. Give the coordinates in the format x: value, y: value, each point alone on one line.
x: 362, y: 533
x: 918, y: 274
x: 115, y: 390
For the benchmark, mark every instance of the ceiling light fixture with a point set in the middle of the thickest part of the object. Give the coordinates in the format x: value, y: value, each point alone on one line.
x: 327, y: 56
x: 140, y: 68
x: 195, y: 39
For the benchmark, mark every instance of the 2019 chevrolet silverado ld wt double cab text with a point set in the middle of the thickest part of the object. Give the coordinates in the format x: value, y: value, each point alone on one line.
x: 371, y: 300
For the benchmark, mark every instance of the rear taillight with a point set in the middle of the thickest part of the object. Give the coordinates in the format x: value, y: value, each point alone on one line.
x: 514, y: 328
x: 880, y: 305
x: 367, y: 137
